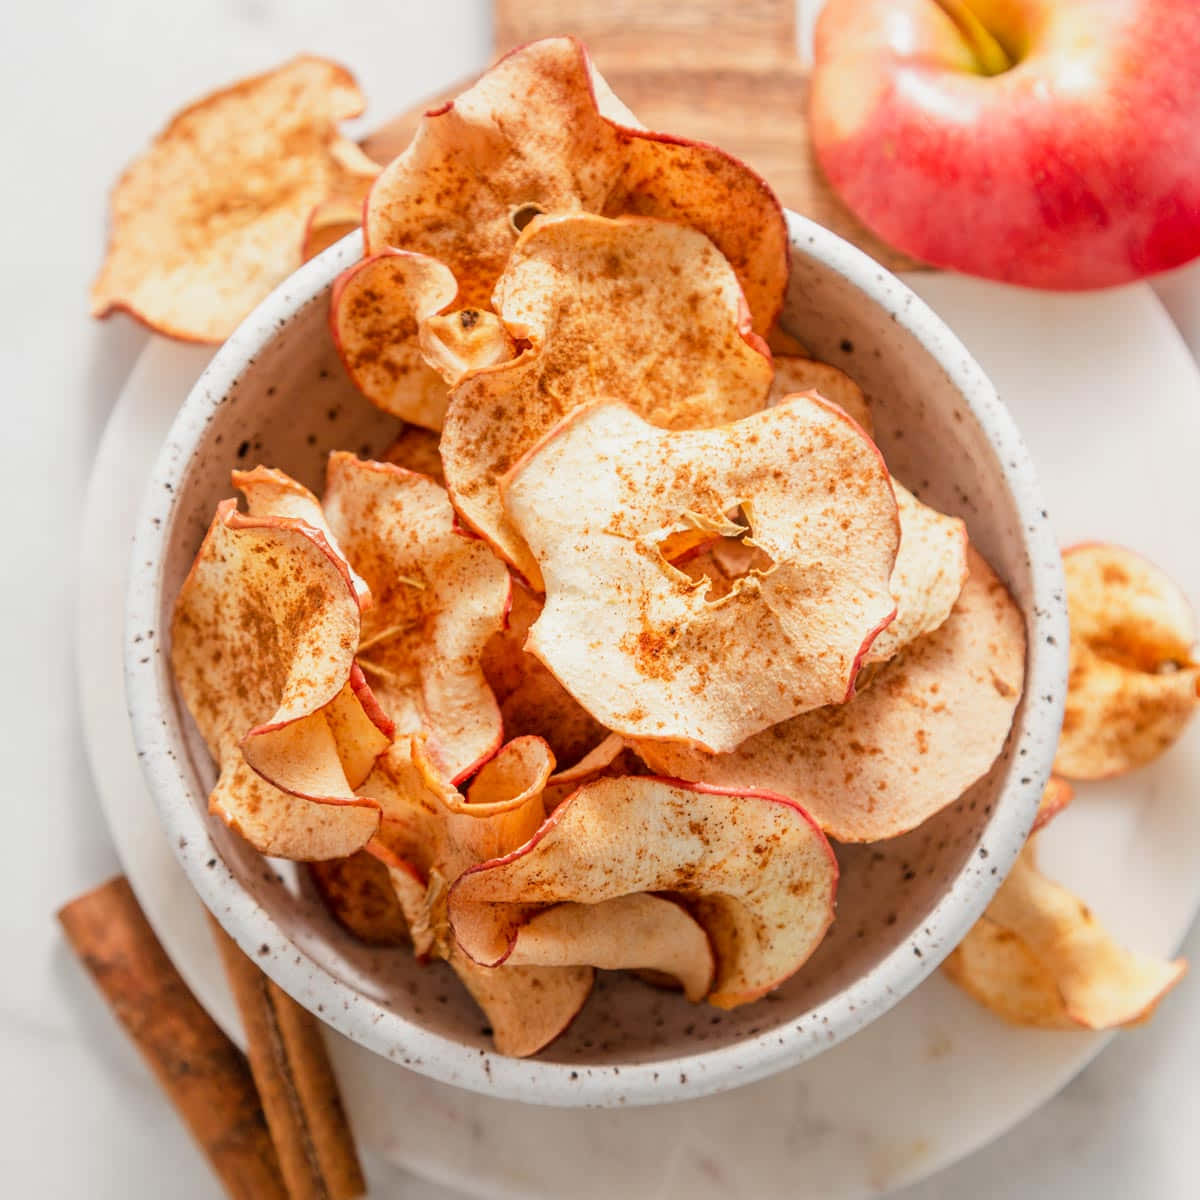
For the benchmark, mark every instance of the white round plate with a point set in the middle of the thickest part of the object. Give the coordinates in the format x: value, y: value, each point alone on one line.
x: 1108, y: 398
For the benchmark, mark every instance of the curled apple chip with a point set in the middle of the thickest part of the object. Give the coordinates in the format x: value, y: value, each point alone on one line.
x: 795, y: 374
x: 652, y: 654
x: 628, y: 933
x: 541, y: 133
x: 358, y: 893
x: 430, y: 835
x: 1134, y: 680
x: 753, y: 868
x: 531, y: 700
x: 931, y: 568
x: 213, y: 215
x: 328, y: 223
x: 1039, y: 957
x: 438, y: 597
x: 930, y: 723
x: 375, y: 311
x: 629, y: 309
x: 262, y: 646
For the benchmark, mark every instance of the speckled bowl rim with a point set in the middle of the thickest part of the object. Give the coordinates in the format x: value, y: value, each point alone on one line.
x: 689, y: 1076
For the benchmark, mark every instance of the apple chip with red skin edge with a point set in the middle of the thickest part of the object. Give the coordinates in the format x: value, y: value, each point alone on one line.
x: 931, y: 722
x: 1134, y: 681
x: 272, y: 493
x: 531, y: 700
x: 375, y: 311
x: 794, y: 374
x: 359, y: 895
x: 430, y: 834
x: 438, y: 598
x: 262, y: 648
x: 629, y: 309
x: 753, y: 868
x: 213, y: 215
x: 1039, y: 957
x: 541, y: 132
x: 651, y: 654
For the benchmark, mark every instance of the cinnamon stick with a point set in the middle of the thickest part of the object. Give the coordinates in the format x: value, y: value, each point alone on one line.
x: 296, y: 1083
x: 201, y: 1070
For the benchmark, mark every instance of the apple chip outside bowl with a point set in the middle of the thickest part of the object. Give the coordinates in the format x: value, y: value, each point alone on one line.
x: 277, y: 394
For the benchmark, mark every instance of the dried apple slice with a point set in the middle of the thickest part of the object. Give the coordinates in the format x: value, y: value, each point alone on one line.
x: 1134, y: 680
x: 795, y: 374
x: 359, y: 895
x: 213, y: 215
x: 931, y: 569
x: 328, y: 223
x: 754, y: 869
x: 1056, y: 795
x: 263, y: 640
x: 531, y: 700
x: 628, y: 933
x: 431, y: 835
x: 652, y: 654
x: 416, y: 449
x: 438, y: 598
x: 271, y: 493
x: 375, y: 311
x: 612, y: 309
x: 931, y: 722
x: 1039, y: 957
x: 529, y: 137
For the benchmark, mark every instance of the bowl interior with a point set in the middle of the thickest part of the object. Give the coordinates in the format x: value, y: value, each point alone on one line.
x: 292, y: 404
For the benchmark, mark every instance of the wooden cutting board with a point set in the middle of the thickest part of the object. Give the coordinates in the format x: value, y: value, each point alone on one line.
x: 725, y: 71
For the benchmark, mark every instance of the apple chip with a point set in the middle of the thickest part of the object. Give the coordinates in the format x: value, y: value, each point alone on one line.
x: 271, y: 493
x: 1134, y: 680
x: 628, y: 309
x: 651, y: 654
x: 375, y: 311
x: 531, y: 700
x: 753, y: 868
x: 1039, y: 957
x: 416, y: 449
x: 438, y: 598
x: 263, y: 641
x: 931, y: 723
x: 627, y: 933
x: 358, y: 893
x: 931, y: 568
x: 328, y: 223
x: 213, y: 215
x: 430, y: 835
x: 1056, y: 795
x: 530, y: 137
x: 795, y: 374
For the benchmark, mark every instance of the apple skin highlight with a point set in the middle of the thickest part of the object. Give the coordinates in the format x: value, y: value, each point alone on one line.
x: 1078, y: 167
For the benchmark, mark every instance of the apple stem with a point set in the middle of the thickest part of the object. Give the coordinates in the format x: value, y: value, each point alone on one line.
x: 992, y: 57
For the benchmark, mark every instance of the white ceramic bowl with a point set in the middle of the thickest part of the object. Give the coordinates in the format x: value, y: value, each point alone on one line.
x: 276, y: 393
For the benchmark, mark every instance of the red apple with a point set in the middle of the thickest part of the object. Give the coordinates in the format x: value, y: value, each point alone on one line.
x: 1051, y: 143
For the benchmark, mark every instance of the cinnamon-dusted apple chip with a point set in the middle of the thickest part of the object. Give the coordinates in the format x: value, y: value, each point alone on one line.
x: 1039, y: 957
x: 358, y: 893
x: 753, y: 868
x: 438, y: 597
x: 648, y: 651
x: 530, y: 137
x: 375, y: 311
x: 213, y: 215
x: 430, y: 835
x: 795, y: 374
x: 416, y: 449
x: 628, y: 309
x: 930, y: 723
x: 1134, y: 680
x: 263, y: 641
x: 531, y: 700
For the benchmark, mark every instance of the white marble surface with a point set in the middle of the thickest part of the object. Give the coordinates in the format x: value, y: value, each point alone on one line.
x: 81, y: 88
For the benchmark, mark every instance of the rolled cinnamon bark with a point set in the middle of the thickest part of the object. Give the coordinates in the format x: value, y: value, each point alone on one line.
x: 201, y: 1070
